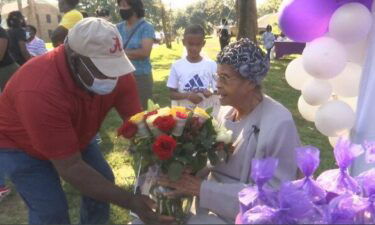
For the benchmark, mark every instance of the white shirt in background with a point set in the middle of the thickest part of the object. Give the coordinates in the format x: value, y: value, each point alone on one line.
x: 193, y: 77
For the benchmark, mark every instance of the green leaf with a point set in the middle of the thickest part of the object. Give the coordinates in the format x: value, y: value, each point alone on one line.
x: 210, y: 110
x: 151, y: 106
x: 214, y: 159
x: 175, y: 170
x: 199, y: 162
x: 188, y: 147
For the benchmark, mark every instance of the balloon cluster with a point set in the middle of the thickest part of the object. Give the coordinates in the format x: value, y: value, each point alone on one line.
x: 334, y: 197
x: 329, y: 71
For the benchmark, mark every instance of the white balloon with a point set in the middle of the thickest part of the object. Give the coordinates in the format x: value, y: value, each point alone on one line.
x: 333, y: 140
x: 295, y: 74
x: 316, y: 92
x: 356, y: 52
x: 307, y: 111
x: 347, y: 83
x: 324, y: 58
x: 334, y: 117
x: 350, y: 23
x: 352, y: 102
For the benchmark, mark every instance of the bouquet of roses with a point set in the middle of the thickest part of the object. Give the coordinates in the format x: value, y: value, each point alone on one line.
x: 174, y: 140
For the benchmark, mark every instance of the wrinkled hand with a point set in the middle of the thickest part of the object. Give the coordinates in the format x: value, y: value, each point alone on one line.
x: 207, y: 93
x: 186, y: 185
x: 143, y: 206
x: 194, y: 98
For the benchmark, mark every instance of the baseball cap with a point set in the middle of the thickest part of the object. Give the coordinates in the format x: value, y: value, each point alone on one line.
x: 100, y: 40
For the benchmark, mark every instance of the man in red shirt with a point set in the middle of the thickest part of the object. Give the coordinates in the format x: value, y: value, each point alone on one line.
x: 50, y: 112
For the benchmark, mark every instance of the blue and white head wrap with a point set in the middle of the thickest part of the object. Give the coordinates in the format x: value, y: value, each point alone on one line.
x: 247, y: 59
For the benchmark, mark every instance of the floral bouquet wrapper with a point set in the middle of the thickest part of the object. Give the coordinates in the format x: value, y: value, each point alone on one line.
x: 338, y: 181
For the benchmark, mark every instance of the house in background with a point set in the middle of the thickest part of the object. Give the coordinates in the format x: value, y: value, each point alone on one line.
x: 43, y: 14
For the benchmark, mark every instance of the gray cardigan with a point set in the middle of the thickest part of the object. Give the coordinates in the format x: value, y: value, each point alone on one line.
x: 269, y: 131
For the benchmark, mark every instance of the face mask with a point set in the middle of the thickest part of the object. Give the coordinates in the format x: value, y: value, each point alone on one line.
x: 126, y: 13
x: 27, y: 35
x: 99, y: 86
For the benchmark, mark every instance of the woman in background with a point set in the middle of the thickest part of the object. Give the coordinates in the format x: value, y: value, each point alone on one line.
x: 138, y: 37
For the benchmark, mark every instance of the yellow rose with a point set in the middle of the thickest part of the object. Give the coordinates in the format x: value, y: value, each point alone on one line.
x: 166, y: 111
x: 201, y: 113
x: 137, y: 118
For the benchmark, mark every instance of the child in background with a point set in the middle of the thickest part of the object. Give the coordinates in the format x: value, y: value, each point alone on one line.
x: 191, y: 82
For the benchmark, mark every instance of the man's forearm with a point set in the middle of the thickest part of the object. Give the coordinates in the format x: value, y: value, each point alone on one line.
x: 92, y: 184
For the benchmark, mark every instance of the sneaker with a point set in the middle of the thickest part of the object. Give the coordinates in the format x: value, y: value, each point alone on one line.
x: 4, y: 191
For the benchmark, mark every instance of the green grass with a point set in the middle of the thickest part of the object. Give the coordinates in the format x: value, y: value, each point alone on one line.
x: 13, y: 210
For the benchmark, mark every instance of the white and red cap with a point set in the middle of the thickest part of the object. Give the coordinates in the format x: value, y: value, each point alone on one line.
x: 100, y: 40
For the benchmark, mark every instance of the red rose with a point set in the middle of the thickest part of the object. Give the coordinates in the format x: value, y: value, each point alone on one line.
x: 165, y: 123
x: 150, y: 114
x: 182, y: 115
x: 164, y: 147
x: 128, y: 130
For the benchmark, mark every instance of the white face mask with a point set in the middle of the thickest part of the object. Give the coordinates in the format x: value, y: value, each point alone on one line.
x: 99, y: 86
x: 27, y: 35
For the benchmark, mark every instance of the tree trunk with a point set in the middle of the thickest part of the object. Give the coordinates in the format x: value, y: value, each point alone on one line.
x: 167, y: 33
x: 34, y: 17
x: 247, y: 19
x: 19, y: 4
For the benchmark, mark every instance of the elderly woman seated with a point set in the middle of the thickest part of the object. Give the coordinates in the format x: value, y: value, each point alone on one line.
x: 261, y: 127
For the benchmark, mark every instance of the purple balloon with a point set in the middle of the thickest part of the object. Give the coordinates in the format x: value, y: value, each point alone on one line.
x: 306, y: 20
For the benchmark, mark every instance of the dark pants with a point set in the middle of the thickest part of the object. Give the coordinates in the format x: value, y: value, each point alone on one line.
x: 224, y: 43
x: 6, y: 73
x: 145, y: 84
x: 269, y: 53
x: 39, y: 185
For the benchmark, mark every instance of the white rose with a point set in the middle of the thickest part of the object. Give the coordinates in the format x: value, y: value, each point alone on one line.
x: 224, y: 136
x: 216, y: 125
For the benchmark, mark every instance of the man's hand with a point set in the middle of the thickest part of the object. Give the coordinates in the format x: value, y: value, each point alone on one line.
x: 194, y: 98
x: 186, y: 185
x: 143, y: 207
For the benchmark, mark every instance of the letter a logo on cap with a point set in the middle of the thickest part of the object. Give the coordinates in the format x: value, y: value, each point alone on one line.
x: 116, y: 46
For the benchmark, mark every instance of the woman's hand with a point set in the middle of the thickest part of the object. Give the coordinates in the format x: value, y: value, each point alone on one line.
x: 186, y: 185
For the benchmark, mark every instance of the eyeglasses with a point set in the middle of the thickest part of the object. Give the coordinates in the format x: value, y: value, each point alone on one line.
x: 223, y: 79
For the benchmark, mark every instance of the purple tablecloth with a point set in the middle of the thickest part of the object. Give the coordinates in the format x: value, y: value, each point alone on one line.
x: 287, y: 48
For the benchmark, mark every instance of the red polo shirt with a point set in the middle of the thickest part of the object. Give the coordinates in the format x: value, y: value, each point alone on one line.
x: 44, y: 113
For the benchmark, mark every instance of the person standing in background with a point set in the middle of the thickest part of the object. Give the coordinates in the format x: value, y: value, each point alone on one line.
x: 268, y: 40
x: 7, y: 68
x: 70, y: 18
x: 138, y: 37
x: 17, y: 37
x: 224, y: 34
x: 35, y: 45
x: 7, y: 64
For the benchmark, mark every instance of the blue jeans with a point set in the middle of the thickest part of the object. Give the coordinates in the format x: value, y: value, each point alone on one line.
x: 39, y: 185
x: 2, y: 179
